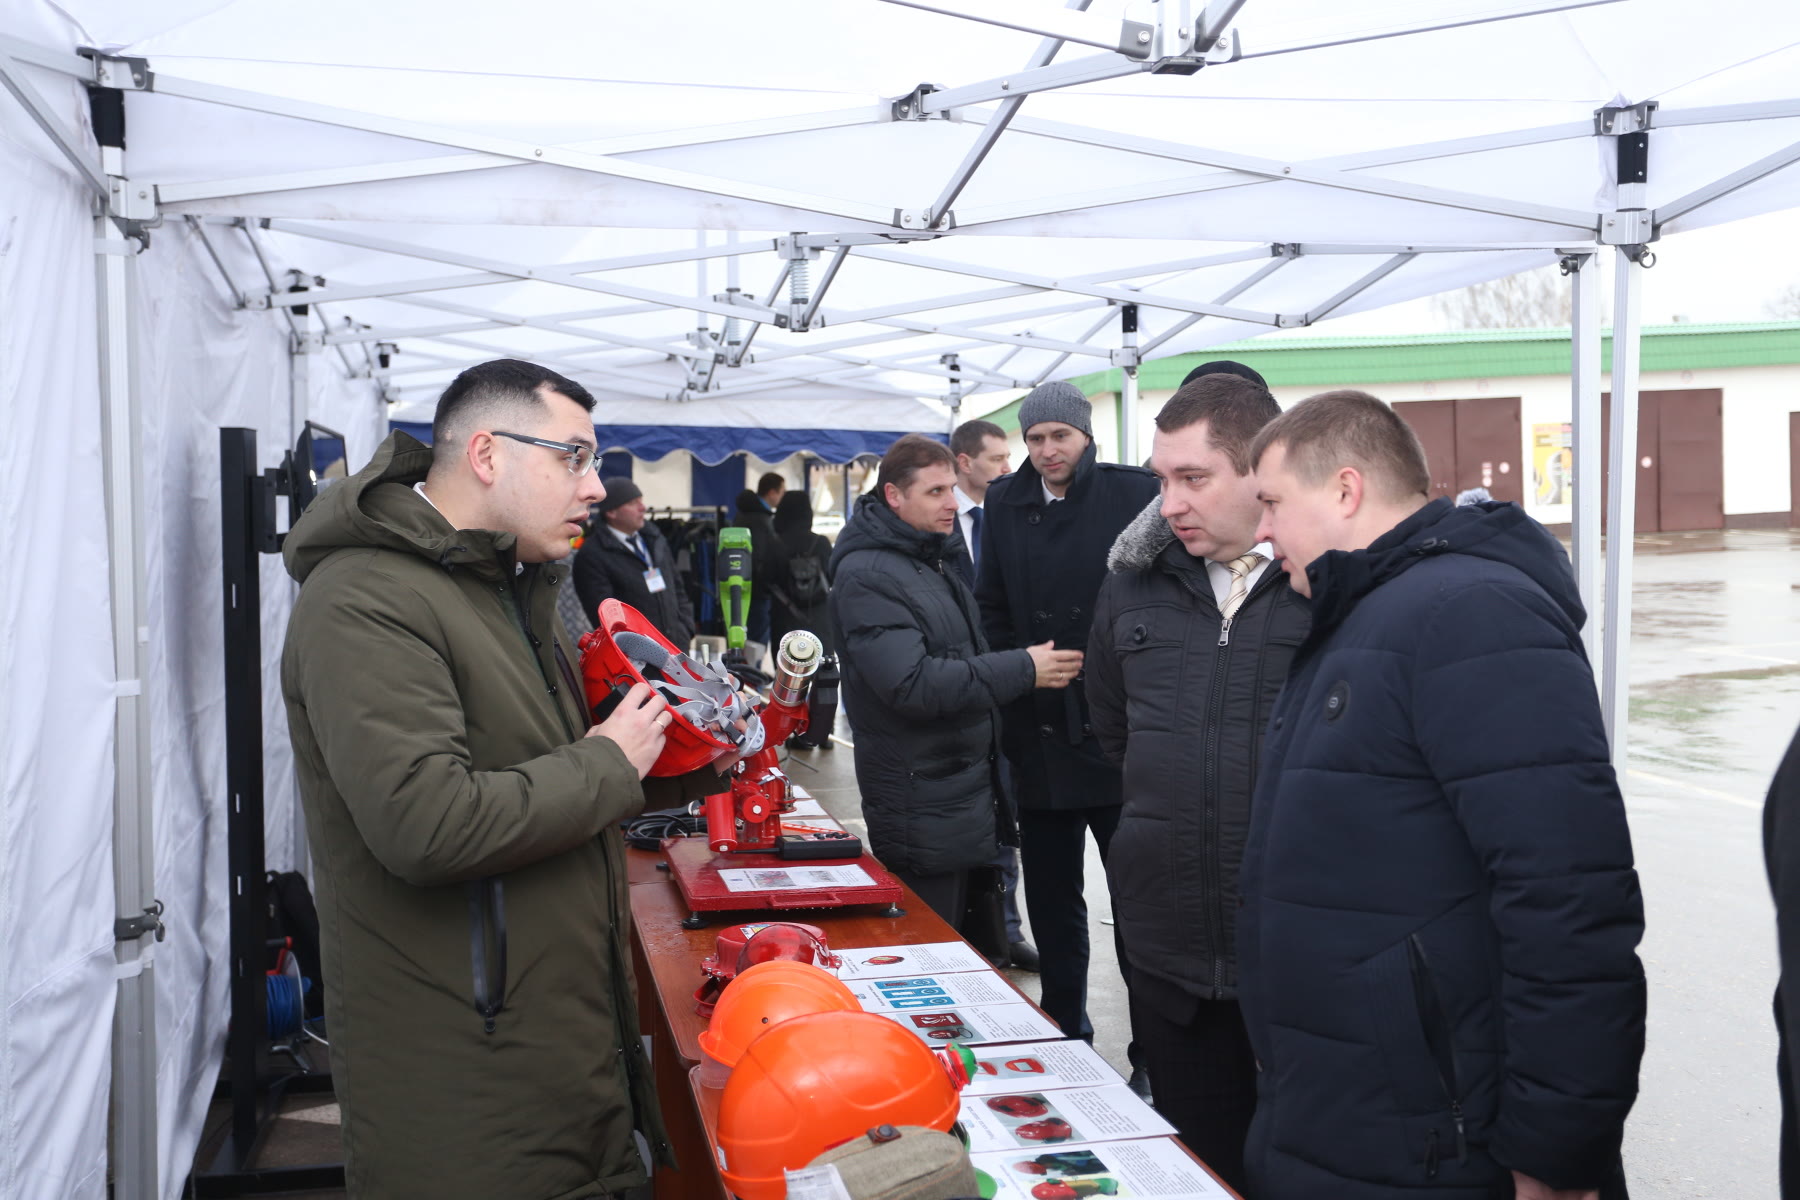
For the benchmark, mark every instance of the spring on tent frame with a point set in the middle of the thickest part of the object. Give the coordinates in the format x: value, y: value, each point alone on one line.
x: 800, y: 281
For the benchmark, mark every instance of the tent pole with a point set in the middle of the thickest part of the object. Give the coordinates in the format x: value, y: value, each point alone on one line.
x: 1621, y: 496
x: 137, y: 929
x: 1584, y: 346
x: 1128, y: 389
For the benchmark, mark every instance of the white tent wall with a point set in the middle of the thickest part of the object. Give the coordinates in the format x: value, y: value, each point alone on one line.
x: 56, y: 687
x: 203, y: 365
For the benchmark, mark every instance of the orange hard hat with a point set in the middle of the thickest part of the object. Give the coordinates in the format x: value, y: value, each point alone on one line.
x: 764, y: 995
x: 818, y: 1081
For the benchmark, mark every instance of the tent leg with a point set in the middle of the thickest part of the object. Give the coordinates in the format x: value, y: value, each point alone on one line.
x: 1128, y: 389
x: 1621, y: 498
x: 1584, y: 344
x: 133, y: 1151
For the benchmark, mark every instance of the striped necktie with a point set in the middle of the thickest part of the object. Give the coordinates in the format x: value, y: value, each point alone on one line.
x: 1240, y: 569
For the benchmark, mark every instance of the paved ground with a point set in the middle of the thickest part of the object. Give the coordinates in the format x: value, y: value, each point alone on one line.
x: 1715, y: 695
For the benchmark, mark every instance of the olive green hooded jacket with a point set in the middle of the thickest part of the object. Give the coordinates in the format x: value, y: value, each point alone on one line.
x: 467, y: 857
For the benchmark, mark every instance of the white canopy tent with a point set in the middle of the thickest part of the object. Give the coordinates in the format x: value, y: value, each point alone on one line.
x: 776, y: 228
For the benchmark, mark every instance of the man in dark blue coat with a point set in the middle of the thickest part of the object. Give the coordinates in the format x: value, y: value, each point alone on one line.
x: 1045, y: 539
x: 1437, y: 944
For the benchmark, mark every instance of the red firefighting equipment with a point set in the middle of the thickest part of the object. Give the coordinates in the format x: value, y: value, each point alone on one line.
x: 711, y: 717
x: 817, y: 1081
x: 742, y: 946
x: 1075, y: 1189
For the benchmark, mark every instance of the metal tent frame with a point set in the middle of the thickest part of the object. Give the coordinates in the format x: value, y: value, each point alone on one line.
x: 1004, y: 329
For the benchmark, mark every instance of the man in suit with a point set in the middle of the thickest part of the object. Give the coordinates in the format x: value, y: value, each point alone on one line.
x: 982, y: 456
x: 627, y: 558
x: 1044, y: 544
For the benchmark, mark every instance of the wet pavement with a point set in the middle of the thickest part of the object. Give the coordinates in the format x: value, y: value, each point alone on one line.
x: 1715, y: 696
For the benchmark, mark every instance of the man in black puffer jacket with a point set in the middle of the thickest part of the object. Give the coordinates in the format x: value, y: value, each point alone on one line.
x: 1193, y: 633
x: 1437, y: 944
x: 1044, y: 542
x: 920, y: 685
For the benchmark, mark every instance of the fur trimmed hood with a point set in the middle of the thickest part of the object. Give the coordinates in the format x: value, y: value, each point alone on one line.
x: 1139, y: 543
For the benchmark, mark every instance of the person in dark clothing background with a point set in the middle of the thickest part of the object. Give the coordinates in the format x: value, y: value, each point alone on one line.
x: 800, y: 598
x: 982, y: 456
x: 921, y: 682
x: 1781, y: 854
x: 1437, y: 945
x: 1047, y: 532
x: 768, y: 557
x: 626, y: 558
x: 1193, y: 632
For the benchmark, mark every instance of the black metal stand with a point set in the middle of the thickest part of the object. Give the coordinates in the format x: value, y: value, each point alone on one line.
x: 255, y: 1083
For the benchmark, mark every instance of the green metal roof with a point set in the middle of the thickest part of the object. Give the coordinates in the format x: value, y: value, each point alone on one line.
x: 1462, y: 354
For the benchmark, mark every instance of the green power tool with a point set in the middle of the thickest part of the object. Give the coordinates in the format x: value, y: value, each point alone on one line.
x: 734, y: 584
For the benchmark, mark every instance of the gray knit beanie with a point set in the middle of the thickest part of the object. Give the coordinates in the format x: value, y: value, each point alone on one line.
x: 1057, y: 401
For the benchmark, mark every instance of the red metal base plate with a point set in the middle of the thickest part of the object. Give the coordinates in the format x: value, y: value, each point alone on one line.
x: 696, y: 870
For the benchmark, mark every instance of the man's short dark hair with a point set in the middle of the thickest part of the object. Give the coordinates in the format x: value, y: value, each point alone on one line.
x: 907, y: 457
x: 1346, y: 428
x: 484, y: 391
x: 1234, y: 410
x: 770, y: 482
x: 971, y: 437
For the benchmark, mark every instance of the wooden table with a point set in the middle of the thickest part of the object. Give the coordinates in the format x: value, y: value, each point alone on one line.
x: 667, y: 960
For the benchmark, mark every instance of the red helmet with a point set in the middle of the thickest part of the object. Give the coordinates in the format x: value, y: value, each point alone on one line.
x: 1019, y: 1106
x: 1050, y: 1129
x: 606, y: 665
x: 739, y: 947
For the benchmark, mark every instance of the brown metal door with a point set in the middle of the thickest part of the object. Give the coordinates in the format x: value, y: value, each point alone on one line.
x: 1648, y: 460
x: 1435, y: 423
x: 1488, y: 447
x: 1794, y: 470
x: 1691, y: 441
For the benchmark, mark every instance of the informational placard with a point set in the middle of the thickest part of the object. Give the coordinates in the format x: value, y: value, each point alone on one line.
x: 1047, y: 1118
x: 928, y: 958
x: 793, y: 877
x: 1154, y: 1169
x: 1039, y: 1066
x: 975, y: 1026
x: 923, y: 993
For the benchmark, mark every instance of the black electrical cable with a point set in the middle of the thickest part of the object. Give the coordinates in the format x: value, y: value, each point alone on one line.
x: 647, y: 831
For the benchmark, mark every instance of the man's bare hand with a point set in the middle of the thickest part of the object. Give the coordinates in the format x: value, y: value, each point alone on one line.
x: 639, y: 725
x: 1054, y: 667
x: 1527, y: 1188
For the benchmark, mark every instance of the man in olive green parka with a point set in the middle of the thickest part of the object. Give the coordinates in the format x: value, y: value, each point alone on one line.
x: 463, y: 817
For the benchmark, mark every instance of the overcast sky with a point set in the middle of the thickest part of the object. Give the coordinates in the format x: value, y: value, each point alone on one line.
x: 1727, y: 273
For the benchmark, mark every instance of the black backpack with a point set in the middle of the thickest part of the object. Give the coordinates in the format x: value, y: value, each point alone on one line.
x: 807, y: 587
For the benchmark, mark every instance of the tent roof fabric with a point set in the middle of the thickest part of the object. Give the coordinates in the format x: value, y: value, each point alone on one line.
x: 478, y: 188
x: 1470, y: 354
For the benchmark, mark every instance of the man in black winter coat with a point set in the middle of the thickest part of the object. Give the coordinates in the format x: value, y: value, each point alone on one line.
x: 1045, y: 538
x: 1193, y: 633
x: 1781, y: 855
x: 920, y: 683
x: 1437, y: 944
x: 626, y: 558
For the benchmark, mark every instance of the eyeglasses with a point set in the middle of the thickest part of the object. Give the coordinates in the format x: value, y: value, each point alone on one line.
x: 581, y: 459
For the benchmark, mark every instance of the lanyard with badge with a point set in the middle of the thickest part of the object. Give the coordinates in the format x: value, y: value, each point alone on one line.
x: 653, y: 576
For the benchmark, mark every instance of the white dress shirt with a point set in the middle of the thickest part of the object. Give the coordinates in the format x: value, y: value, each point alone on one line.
x: 1220, y: 574
x: 964, y: 522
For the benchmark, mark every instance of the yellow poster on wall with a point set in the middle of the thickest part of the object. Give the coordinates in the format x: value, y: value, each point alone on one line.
x: 1552, y: 463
